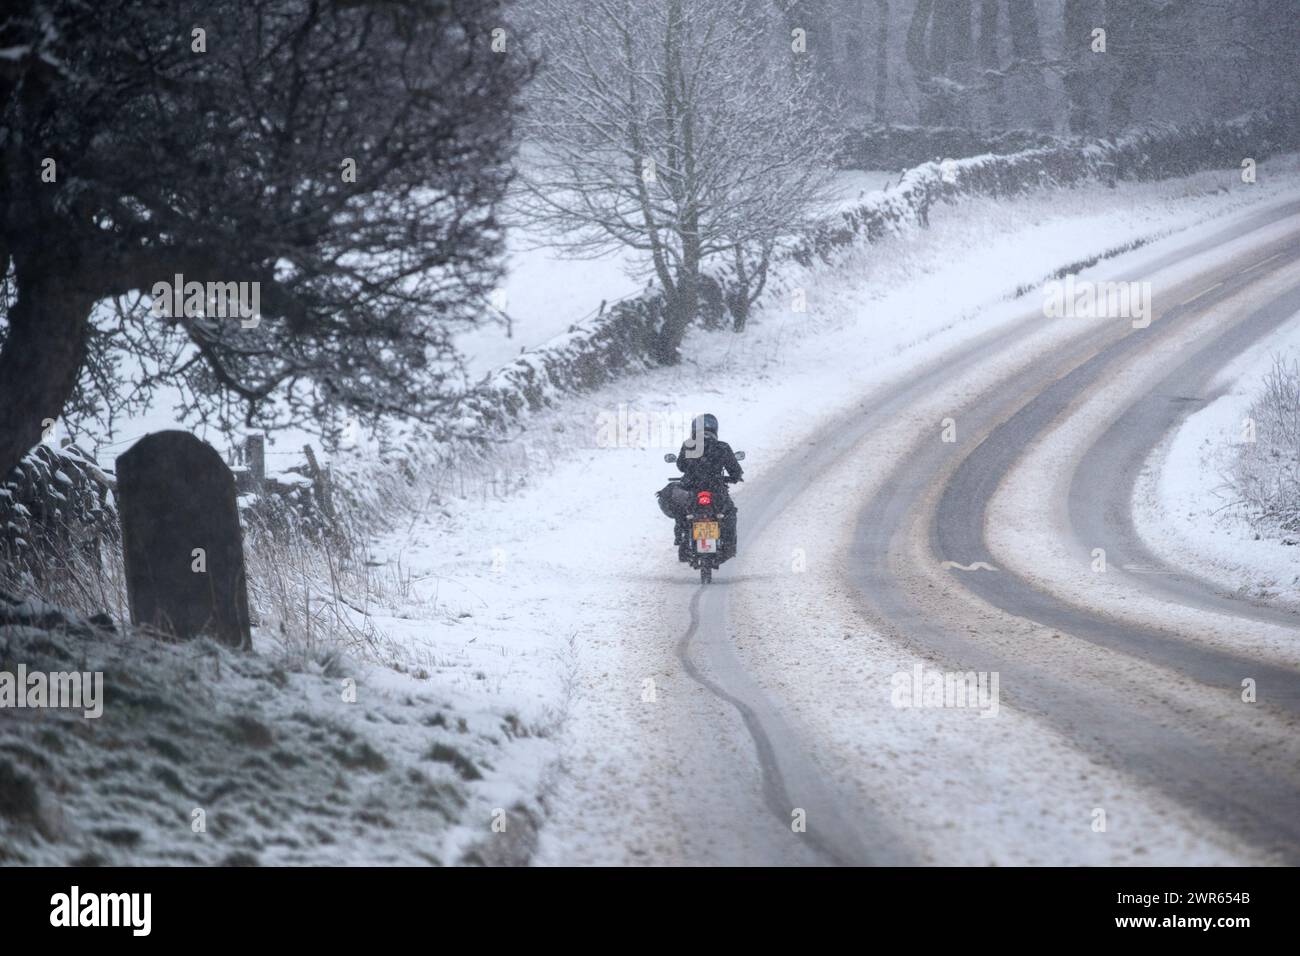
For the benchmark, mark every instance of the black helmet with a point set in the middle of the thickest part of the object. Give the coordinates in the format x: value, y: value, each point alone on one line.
x: 707, y: 424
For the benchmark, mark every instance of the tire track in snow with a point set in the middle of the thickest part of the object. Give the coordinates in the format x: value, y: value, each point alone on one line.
x: 1190, y: 759
x: 959, y: 525
x: 790, y: 780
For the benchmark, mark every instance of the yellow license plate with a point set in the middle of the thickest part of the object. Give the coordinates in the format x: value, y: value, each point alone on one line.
x: 706, y: 531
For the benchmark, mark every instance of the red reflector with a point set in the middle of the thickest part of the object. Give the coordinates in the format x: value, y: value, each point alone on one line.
x: 704, y: 497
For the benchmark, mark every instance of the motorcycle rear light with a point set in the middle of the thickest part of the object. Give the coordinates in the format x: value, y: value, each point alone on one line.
x: 704, y: 497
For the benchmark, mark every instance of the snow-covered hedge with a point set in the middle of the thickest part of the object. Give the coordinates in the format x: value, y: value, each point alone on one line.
x: 58, y: 514
x: 898, y: 147
x: 588, y: 355
x: 54, y: 499
x: 1153, y: 152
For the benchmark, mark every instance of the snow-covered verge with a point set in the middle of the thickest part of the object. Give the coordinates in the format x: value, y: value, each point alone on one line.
x: 1186, y: 506
x: 206, y: 756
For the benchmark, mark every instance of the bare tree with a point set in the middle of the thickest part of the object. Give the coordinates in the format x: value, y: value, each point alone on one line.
x: 677, y: 129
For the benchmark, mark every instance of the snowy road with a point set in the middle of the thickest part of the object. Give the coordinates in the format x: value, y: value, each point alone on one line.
x: 1134, y: 672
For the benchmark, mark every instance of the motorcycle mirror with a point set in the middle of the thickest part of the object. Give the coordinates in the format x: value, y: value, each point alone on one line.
x: 740, y: 456
x: 670, y: 458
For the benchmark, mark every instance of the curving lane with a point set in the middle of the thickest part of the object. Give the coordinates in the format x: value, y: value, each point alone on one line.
x: 933, y: 508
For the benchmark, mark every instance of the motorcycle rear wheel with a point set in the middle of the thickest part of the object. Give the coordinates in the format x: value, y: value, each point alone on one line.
x: 706, y: 575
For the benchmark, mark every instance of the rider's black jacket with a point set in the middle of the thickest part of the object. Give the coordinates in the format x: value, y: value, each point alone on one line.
x: 708, y: 464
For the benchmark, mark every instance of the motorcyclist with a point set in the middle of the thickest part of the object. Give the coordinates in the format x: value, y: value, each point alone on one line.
x: 707, y: 462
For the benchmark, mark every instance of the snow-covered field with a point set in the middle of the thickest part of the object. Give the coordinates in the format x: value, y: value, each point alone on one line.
x: 546, y: 291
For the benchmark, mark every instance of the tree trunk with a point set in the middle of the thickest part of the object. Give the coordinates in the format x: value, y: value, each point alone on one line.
x: 1077, y: 47
x: 1131, y: 24
x: 959, y: 40
x: 41, y: 358
x: 1027, y: 50
x: 991, y: 63
x: 956, y: 17
x: 681, y: 301
x: 688, y: 296
x: 882, y: 62
x: 739, y: 303
x: 922, y: 68
x: 749, y: 284
x: 679, y: 312
x: 939, y: 102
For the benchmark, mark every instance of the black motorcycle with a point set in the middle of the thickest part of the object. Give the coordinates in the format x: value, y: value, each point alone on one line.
x: 699, y: 514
